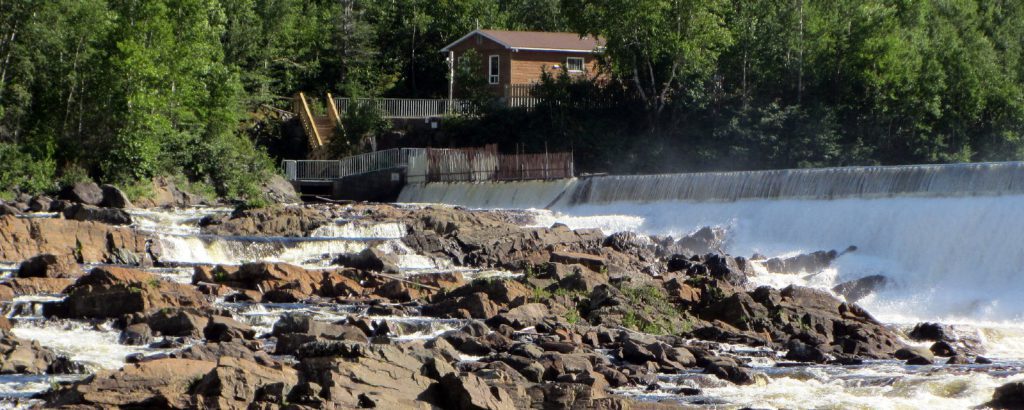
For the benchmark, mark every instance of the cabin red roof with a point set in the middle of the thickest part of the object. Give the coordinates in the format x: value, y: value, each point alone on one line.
x: 537, y: 41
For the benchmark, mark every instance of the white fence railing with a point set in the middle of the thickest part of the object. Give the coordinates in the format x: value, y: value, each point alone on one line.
x: 408, y: 107
x: 326, y: 170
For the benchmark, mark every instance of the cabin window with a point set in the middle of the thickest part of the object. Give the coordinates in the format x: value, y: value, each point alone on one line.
x: 574, y: 64
x: 493, y: 69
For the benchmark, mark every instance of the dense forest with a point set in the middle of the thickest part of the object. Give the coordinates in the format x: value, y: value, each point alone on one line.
x: 124, y: 90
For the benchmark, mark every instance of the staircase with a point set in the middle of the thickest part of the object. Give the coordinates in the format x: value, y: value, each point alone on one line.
x: 318, y: 128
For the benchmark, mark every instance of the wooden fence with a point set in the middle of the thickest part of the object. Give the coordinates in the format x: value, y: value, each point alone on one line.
x: 521, y: 96
x: 486, y: 164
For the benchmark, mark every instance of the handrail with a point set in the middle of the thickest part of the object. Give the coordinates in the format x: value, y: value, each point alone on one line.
x: 437, y: 165
x: 307, y: 120
x: 409, y: 107
x: 325, y: 170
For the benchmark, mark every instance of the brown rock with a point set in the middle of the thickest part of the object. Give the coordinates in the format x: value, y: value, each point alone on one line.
x: 86, y: 242
x: 135, y: 291
x: 160, y: 383
x: 237, y: 383
x: 50, y: 266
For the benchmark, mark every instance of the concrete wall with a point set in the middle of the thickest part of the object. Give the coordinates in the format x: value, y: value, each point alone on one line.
x: 379, y: 186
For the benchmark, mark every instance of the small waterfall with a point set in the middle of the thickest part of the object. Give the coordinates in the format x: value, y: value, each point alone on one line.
x: 189, y: 249
x: 355, y: 229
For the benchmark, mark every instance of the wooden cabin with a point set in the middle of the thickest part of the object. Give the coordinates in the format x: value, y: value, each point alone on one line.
x: 519, y: 57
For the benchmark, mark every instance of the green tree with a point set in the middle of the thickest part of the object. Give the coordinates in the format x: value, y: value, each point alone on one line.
x: 664, y: 47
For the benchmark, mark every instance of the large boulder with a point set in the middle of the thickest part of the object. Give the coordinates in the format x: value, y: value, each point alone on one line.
x: 178, y: 322
x: 84, y: 193
x: 88, y: 242
x: 40, y: 203
x: 135, y: 292
x: 19, y: 356
x: 295, y: 221
x: 278, y: 190
x: 858, y: 289
x: 237, y: 383
x: 50, y: 266
x: 84, y: 212
x: 1007, y: 396
x: 114, y: 198
x: 360, y: 375
x: 163, y: 383
x: 805, y: 263
x: 371, y: 259
x: 469, y: 392
x: 295, y: 330
x: 915, y: 355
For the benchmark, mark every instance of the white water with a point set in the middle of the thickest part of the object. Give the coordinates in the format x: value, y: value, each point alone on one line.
x: 95, y: 346
x: 951, y: 259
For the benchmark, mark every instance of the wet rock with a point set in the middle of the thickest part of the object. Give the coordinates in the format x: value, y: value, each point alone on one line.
x: 83, y: 193
x: 802, y: 352
x: 982, y: 360
x: 806, y: 263
x: 628, y: 242
x: 705, y: 240
x: 915, y: 355
x: 7, y: 209
x: 1007, y: 396
x: 237, y: 383
x: 37, y: 286
x: 20, y: 356
x: 592, y: 262
x: 728, y: 369
x: 110, y: 216
x: 226, y: 329
x: 943, y: 349
x: 476, y: 305
x: 469, y: 392
x: 295, y: 330
x: 292, y: 221
x: 958, y: 359
x: 858, y: 289
x: 584, y: 280
x: 355, y: 375
x: 40, y: 203
x: 136, y: 334
x: 519, y: 317
x: 932, y: 332
x: 178, y: 322
x: 114, y: 198
x: 50, y: 266
x: 158, y: 383
x: 212, y: 351
x: 370, y: 259
x: 277, y: 190
x: 87, y: 242
x: 135, y: 291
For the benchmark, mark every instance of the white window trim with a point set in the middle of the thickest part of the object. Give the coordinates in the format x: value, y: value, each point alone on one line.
x: 583, y: 64
x: 493, y: 69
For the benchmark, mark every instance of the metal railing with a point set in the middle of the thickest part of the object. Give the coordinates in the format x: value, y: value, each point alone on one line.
x: 408, y: 107
x: 326, y: 170
x: 438, y: 165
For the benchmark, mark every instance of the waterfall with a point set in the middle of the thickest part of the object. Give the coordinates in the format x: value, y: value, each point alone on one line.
x: 948, y: 236
x: 968, y: 179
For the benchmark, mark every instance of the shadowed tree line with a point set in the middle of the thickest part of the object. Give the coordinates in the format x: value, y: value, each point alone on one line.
x: 124, y: 90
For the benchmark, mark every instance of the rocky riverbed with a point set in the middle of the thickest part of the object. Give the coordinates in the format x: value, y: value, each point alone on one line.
x: 390, y: 306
